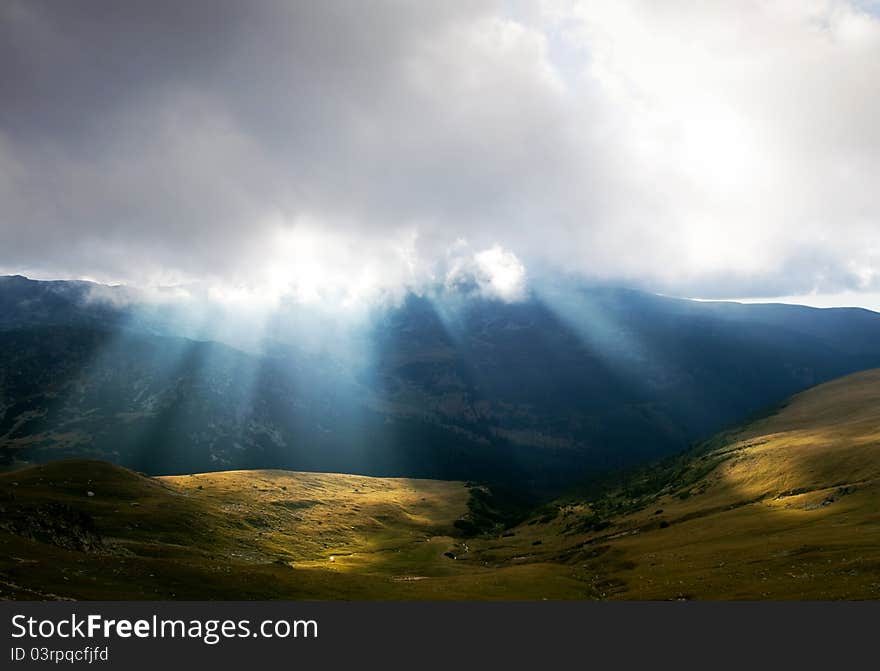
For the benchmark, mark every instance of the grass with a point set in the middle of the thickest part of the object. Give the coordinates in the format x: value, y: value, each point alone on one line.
x: 787, y: 507
x: 241, y: 535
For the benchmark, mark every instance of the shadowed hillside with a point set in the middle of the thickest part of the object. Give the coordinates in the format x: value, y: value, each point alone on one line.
x: 537, y: 395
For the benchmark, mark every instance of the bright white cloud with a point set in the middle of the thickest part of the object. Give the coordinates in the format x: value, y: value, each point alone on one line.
x: 501, y: 273
x: 493, y: 272
x: 746, y: 131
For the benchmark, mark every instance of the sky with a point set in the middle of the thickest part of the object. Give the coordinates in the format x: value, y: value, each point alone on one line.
x: 339, y: 151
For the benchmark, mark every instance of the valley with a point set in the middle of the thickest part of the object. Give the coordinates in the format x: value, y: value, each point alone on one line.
x: 784, y: 507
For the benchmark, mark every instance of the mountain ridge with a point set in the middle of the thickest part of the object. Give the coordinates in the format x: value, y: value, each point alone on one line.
x: 540, y: 394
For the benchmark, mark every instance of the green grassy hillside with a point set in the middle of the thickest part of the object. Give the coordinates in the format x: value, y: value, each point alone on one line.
x: 786, y: 507
x: 91, y: 530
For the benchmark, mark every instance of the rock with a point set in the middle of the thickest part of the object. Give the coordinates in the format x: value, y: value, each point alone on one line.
x: 56, y: 524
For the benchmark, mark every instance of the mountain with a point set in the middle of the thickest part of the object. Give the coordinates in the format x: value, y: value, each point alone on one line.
x: 571, y: 382
x: 784, y: 507
x: 25, y: 302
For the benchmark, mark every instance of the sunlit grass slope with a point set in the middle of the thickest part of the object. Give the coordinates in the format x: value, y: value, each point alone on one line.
x: 786, y: 507
x: 245, y: 534
x: 240, y: 535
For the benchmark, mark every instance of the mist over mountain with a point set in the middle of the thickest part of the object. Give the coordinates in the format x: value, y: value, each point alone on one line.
x: 572, y: 380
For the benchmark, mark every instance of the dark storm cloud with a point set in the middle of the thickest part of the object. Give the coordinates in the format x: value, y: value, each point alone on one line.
x: 145, y: 127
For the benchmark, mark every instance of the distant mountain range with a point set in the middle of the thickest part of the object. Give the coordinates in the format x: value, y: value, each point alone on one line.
x: 540, y: 393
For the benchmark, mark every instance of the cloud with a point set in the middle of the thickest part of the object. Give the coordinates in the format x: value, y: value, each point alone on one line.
x: 307, y: 149
x: 492, y: 273
x: 501, y: 272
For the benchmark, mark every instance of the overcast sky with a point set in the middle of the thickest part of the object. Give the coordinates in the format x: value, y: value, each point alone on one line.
x: 714, y: 150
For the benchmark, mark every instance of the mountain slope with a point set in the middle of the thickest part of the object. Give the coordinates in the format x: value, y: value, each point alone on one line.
x: 786, y: 507
x: 613, y: 376
x: 538, y: 394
